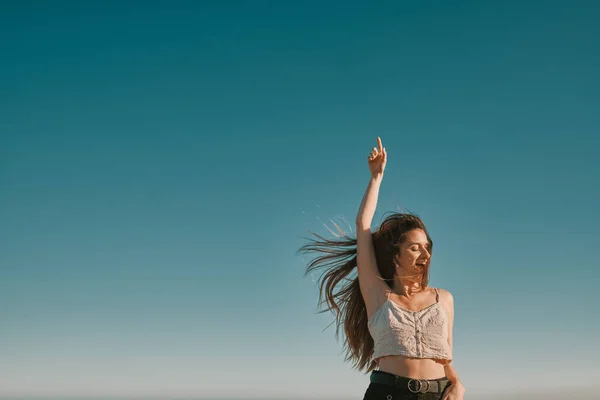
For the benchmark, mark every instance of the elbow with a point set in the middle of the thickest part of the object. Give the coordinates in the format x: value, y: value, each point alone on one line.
x: 362, y: 225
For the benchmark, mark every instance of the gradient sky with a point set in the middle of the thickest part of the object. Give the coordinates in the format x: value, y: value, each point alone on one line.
x: 160, y: 165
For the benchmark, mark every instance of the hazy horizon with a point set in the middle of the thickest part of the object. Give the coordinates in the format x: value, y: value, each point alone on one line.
x: 565, y: 393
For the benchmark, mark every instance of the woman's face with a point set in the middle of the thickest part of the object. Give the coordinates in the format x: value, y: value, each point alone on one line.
x: 414, y: 252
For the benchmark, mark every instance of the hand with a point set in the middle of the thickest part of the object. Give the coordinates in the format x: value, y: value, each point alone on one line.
x: 377, y: 159
x: 456, y: 391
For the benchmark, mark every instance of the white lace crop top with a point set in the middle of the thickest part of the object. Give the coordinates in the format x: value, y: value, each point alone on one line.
x: 416, y: 334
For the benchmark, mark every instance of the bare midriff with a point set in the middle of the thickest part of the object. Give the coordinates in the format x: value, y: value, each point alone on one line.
x: 417, y: 368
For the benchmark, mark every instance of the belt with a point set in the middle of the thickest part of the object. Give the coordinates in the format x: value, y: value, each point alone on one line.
x: 413, y: 385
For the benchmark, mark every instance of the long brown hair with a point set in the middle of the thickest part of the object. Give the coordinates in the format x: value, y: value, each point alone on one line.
x: 336, y: 258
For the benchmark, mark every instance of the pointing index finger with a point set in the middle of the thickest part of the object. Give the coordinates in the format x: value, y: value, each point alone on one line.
x: 379, y: 144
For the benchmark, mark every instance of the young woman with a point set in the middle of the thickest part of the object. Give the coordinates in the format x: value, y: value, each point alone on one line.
x: 396, y: 326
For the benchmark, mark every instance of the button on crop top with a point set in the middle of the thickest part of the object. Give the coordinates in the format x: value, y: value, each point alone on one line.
x: 417, y: 334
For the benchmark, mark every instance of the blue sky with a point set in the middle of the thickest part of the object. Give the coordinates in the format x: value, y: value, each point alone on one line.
x: 161, y: 164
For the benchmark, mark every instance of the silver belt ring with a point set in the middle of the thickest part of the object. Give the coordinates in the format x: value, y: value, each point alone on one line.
x: 421, y: 385
x: 428, y: 386
x: 410, y: 388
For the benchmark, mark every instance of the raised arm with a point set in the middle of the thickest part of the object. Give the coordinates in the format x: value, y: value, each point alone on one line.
x: 372, y: 286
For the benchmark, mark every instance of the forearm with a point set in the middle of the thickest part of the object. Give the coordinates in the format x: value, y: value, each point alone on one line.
x: 369, y: 202
x: 451, y: 373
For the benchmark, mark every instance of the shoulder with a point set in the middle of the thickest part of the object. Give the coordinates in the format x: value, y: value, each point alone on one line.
x: 445, y: 295
x: 446, y: 299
